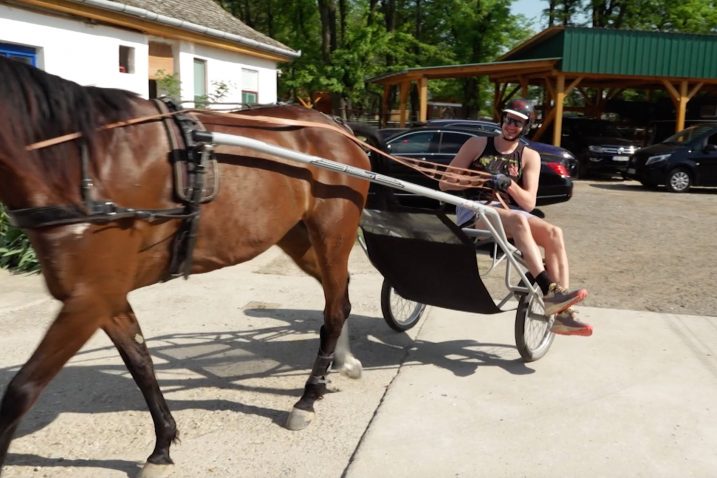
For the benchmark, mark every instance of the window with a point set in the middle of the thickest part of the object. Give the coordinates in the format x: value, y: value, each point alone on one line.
x: 24, y: 54
x: 452, y: 142
x: 248, y: 97
x: 200, y: 80
x: 415, y: 143
x: 126, y: 59
x: 249, y: 86
x: 712, y: 140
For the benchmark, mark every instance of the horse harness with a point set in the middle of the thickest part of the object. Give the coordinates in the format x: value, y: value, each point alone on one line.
x: 195, y: 181
x: 193, y: 163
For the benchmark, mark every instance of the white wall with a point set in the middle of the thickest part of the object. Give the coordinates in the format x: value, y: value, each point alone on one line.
x: 225, y: 66
x: 77, y: 51
x: 89, y: 54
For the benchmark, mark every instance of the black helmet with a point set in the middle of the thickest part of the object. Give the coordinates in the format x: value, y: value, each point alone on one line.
x: 521, y: 108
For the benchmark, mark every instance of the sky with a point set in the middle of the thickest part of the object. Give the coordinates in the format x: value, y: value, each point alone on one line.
x: 531, y: 9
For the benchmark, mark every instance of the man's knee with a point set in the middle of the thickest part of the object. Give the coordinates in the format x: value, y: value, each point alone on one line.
x: 556, y: 234
x: 519, y: 221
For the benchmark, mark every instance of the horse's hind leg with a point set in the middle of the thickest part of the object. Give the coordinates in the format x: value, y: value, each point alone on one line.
x: 125, y: 333
x: 298, y: 246
x: 330, y: 254
x: 75, y: 324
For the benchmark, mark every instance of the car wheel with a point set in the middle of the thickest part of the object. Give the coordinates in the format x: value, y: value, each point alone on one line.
x: 678, y: 180
x: 573, y: 168
x: 582, y: 170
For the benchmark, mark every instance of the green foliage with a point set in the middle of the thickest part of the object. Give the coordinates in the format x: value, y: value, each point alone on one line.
x: 220, y: 92
x: 169, y: 85
x: 16, y: 253
x: 345, y: 42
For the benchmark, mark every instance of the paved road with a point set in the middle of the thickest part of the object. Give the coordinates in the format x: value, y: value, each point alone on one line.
x: 233, y: 348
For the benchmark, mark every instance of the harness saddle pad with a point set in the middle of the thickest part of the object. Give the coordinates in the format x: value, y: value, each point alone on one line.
x: 426, y: 258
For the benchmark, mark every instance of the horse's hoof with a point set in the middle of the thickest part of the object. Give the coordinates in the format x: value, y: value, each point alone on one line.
x: 351, y: 367
x: 331, y: 387
x: 299, y: 419
x: 151, y: 470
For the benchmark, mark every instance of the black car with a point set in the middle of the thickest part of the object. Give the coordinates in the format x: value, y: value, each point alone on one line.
x: 598, y: 145
x: 688, y: 158
x: 492, y: 127
x: 440, y: 145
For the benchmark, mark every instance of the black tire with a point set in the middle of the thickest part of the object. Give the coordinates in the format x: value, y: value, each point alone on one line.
x: 573, y: 168
x: 678, y: 180
x: 400, y: 314
x: 582, y: 170
x: 532, y: 330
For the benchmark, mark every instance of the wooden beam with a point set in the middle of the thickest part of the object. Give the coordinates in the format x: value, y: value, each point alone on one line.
x: 694, y: 90
x: 674, y: 95
x: 151, y: 28
x: 550, y: 88
x: 523, y: 87
x: 572, y: 85
x: 547, y: 120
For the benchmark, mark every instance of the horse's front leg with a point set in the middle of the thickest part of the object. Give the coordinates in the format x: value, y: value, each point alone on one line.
x: 79, y: 318
x: 344, y: 360
x: 335, y: 314
x: 124, y: 331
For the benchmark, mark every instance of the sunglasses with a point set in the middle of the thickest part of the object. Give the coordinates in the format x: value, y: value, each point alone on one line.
x: 512, y: 121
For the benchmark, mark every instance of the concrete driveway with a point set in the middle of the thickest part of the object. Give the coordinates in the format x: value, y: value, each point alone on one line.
x: 451, y: 398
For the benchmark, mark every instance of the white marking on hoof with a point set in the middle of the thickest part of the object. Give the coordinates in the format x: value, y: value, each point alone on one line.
x: 151, y: 470
x: 351, y: 367
x: 299, y: 419
x: 331, y: 387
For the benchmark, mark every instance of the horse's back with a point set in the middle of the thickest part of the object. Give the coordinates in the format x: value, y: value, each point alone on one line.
x: 263, y: 199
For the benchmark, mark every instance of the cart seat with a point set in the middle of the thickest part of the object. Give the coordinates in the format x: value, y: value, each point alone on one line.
x: 426, y: 258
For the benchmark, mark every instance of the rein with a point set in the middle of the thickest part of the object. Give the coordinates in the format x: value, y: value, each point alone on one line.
x: 465, y: 177
x: 106, y: 211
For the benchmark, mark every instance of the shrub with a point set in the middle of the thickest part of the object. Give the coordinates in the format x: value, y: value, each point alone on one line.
x: 16, y: 253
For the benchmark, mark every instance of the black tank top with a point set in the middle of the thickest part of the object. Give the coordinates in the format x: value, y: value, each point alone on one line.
x: 494, y: 162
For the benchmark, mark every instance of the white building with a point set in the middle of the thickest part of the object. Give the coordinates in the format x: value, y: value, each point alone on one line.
x: 131, y: 44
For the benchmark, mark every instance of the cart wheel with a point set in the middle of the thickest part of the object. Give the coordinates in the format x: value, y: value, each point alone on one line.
x: 532, y: 330
x: 400, y: 314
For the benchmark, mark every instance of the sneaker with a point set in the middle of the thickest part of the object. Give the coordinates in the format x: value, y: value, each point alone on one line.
x: 558, y: 299
x: 566, y: 323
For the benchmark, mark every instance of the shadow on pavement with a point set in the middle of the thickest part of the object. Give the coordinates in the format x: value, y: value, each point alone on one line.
x: 226, y: 360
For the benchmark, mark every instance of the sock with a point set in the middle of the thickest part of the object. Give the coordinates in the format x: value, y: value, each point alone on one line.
x: 544, y: 281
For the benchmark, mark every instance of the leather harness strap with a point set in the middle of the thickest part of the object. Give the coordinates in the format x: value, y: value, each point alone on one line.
x: 105, y: 211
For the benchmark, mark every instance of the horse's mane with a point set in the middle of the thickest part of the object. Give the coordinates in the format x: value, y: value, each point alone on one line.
x: 38, y: 106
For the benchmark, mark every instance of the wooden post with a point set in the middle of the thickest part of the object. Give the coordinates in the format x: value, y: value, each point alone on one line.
x: 559, y: 100
x: 423, y: 99
x: 385, y: 106
x: 680, y: 100
x: 682, y: 106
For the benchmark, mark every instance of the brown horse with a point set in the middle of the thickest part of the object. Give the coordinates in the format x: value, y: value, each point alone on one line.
x: 92, y: 263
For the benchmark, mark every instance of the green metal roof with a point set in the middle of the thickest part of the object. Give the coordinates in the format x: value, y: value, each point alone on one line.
x: 623, y: 52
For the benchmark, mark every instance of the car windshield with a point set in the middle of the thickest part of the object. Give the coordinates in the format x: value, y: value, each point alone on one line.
x: 687, y: 135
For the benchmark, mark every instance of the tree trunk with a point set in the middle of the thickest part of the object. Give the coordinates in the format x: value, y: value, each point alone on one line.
x: 327, y: 13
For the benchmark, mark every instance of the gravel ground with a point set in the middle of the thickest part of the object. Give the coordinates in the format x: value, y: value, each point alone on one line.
x: 641, y: 249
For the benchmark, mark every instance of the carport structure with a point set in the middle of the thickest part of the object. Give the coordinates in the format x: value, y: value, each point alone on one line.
x: 599, y: 63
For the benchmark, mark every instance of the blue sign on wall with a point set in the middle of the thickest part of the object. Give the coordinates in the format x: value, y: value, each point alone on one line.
x: 21, y: 53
